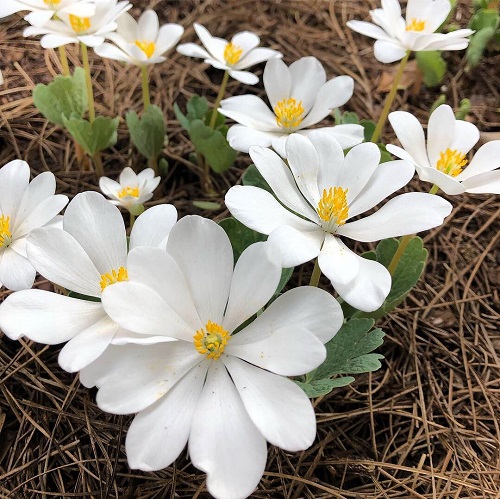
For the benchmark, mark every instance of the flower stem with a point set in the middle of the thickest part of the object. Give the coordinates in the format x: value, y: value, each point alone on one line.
x: 64, y: 60
x: 132, y: 220
x: 88, y: 80
x: 316, y: 274
x: 390, y: 98
x: 221, y: 93
x: 434, y: 189
x: 99, y: 169
x: 145, y: 87
x: 399, y: 253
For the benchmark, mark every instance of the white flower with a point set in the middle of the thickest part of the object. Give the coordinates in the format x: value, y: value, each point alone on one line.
x: 140, y: 43
x: 90, y: 30
x: 234, y: 56
x: 42, y: 11
x: 443, y: 161
x: 224, y: 393
x: 300, y: 97
x: 24, y: 206
x: 323, y: 190
x: 87, y: 257
x: 395, y: 35
x: 132, y: 190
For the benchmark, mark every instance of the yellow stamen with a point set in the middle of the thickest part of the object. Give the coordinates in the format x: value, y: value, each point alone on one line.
x: 451, y: 162
x: 332, y: 207
x: 5, y: 233
x: 79, y: 24
x: 147, y: 47
x: 289, y: 113
x: 113, y: 277
x: 52, y: 3
x: 232, y: 53
x: 416, y: 25
x: 212, y: 342
x: 129, y: 192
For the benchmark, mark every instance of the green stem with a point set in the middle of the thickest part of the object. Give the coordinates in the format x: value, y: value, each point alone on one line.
x: 99, y: 169
x: 153, y: 163
x: 132, y: 220
x: 64, y: 60
x: 221, y: 93
x: 434, y: 189
x: 88, y: 80
x: 316, y: 274
x: 390, y: 98
x: 145, y: 87
x: 399, y: 253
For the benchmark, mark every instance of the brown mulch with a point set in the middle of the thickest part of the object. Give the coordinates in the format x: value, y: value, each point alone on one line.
x: 426, y: 425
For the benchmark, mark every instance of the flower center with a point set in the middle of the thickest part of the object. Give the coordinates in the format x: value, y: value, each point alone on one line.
x: 113, y: 277
x: 332, y: 207
x: 451, y: 162
x: 129, y: 192
x: 52, y: 3
x: 415, y: 25
x: 79, y: 24
x: 212, y: 342
x: 5, y: 234
x: 232, y: 53
x: 147, y: 47
x: 289, y: 113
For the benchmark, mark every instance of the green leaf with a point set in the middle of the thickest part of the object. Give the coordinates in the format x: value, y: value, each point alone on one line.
x: 65, y: 96
x: 477, y: 45
x: 181, y: 117
x: 79, y: 296
x: 240, y: 236
x: 385, y: 155
x: 253, y: 177
x: 147, y: 132
x: 369, y: 127
x: 286, y: 274
x: 432, y: 66
x: 321, y: 387
x: 197, y: 108
x: 213, y: 145
x: 347, y: 351
x: 207, y: 205
x: 163, y: 167
x: 484, y: 18
x: 350, y: 118
x: 463, y: 110
x: 93, y: 137
x: 220, y: 121
x: 438, y: 102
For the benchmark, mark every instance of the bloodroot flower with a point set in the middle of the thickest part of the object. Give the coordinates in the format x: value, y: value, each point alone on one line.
x: 221, y: 387
x: 234, y: 56
x: 318, y: 194
x: 87, y: 257
x: 443, y: 161
x: 300, y: 97
x: 396, y: 35
x: 132, y: 190
x: 24, y: 206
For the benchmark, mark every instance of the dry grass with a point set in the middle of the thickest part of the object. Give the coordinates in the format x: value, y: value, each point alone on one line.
x: 425, y: 426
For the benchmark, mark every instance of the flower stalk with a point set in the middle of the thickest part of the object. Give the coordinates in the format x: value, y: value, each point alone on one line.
x: 316, y: 275
x: 145, y: 87
x: 64, y: 60
x: 220, y: 95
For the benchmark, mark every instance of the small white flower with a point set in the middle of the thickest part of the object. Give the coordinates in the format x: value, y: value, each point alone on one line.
x: 89, y: 30
x: 318, y: 193
x: 140, y: 43
x: 87, y: 257
x: 443, y: 161
x: 396, y: 35
x: 300, y: 97
x: 234, y: 56
x: 132, y: 190
x: 224, y: 393
x: 42, y: 11
x: 24, y: 206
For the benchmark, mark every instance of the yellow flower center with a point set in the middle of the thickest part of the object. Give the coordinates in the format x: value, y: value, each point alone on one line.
x: 147, y: 47
x: 332, y: 207
x: 451, y: 162
x: 232, y: 53
x: 79, y: 24
x: 113, y: 277
x: 5, y: 234
x: 52, y: 3
x: 129, y: 192
x: 289, y: 113
x: 415, y: 25
x: 212, y: 341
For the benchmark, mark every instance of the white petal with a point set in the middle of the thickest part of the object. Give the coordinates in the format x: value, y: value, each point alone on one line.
x: 484, y: 183
x: 245, y: 77
x: 449, y: 185
x: 241, y: 138
x: 60, y: 259
x: 255, y: 280
x: 98, y: 226
x: 110, y: 51
x: 258, y: 55
x: 308, y: 76
x: 249, y: 110
x: 466, y: 136
x: 277, y: 81
x: 148, y: 25
x: 337, y: 261
x: 128, y: 177
x: 277, y: 406
x: 487, y: 158
x: 368, y: 29
x: 40, y: 188
x: 215, y: 46
x: 223, y: 441
x: 53, y: 41
x: 109, y: 187
x: 168, y: 36
x: 87, y: 345
x: 411, y: 135
x: 346, y: 135
x: 405, y: 214
x: 47, y: 317
x: 153, y: 227
x: 14, y: 179
x: 246, y: 40
x: 388, y: 52
x: 192, y: 50
x: 16, y: 272
x: 440, y: 132
x: 159, y: 433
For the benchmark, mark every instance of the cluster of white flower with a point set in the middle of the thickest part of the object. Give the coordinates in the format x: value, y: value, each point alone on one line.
x: 167, y: 320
